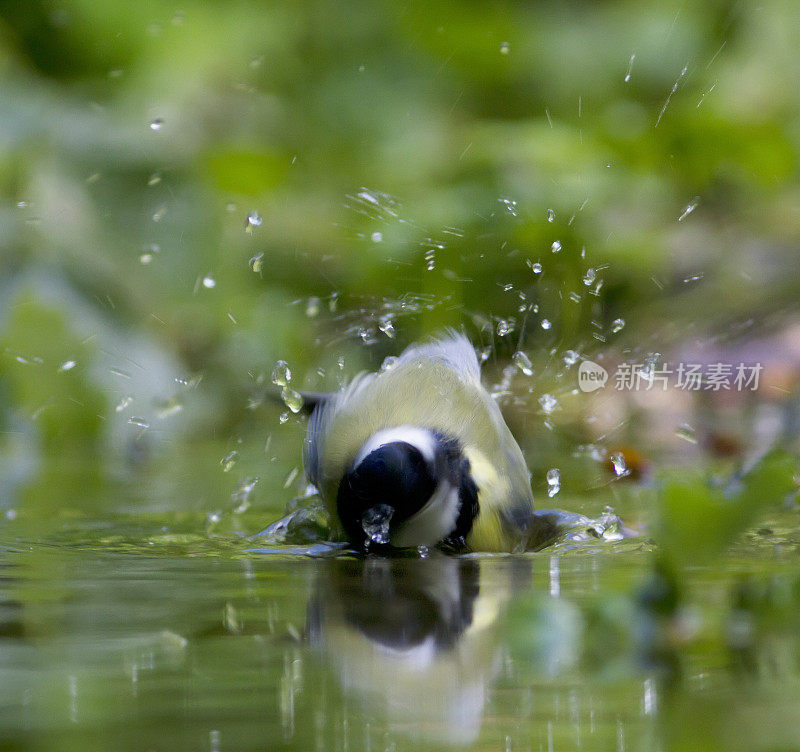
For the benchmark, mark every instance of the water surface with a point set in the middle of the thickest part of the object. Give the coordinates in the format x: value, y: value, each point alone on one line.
x: 180, y: 642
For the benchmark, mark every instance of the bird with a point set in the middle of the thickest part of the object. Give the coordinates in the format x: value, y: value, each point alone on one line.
x: 418, y: 454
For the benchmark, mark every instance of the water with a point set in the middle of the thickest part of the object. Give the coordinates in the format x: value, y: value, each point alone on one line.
x: 151, y: 619
x: 630, y: 68
x: 281, y: 374
x: 292, y: 399
x: 160, y: 638
x: 553, y: 482
x: 523, y: 362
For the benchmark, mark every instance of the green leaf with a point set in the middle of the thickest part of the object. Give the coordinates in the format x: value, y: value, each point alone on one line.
x: 698, y: 522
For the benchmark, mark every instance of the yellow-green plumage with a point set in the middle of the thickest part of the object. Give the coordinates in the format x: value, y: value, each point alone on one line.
x: 435, y: 386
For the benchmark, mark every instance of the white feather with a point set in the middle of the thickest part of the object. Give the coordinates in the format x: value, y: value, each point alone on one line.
x: 434, y: 521
x: 420, y: 438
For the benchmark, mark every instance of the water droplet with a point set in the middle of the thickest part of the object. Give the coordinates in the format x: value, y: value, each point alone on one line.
x: 145, y: 258
x: 160, y: 213
x: 575, y: 297
x: 505, y: 327
x: 556, y: 247
x: 283, y: 418
x: 523, y: 362
x: 617, y: 325
x: 690, y: 208
x: 168, y: 407
x: 694, y: 277
x: 209, y: 282
x: 551, y: 215
x: 571, y: 357
x: 553, y: 482
x: 389, y: 363
x: 549, y: 403
x: 430, y: 259
x: 387, y: 327
x: 484, y: 354
x: 650, y: 365
x: 229, y: 460
x: 252, y: 220
x: 67, y: 365
x: 535, y: 266
x: 510, y: 204
x: 281, y: 374
x: 366, y: 195
x: 340, y: 361
x: 241, y: 496
x: 367, y: 335
x: 291, y: 476
x: 377, y: 237
x: 375, y: 523
x: 123, y: 403
x: 589, y: 277
x: 312, y: 307
x: 292, y: 399
x: 140, y: 422
x: 154, y: 179
x: 687, y: 433
x: 618, y: 463
x: 22, y: 204
x: 546, y: 324
x: 156, y: 124
x: 505, y: 48
x: 630, y: 67
x: 257, y: 263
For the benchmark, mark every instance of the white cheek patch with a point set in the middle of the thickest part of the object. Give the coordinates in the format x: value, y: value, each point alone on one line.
x: 420, y: 438
x: 436, y: 520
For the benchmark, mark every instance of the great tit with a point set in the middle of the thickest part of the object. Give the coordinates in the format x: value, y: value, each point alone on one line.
x: 419, y: 455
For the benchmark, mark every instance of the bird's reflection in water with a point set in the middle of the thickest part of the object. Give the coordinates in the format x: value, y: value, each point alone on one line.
x: 415, y: 639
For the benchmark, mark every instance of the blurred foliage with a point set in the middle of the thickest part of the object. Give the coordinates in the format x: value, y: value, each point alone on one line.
x: 697, y: 522
x: 190, y: 191
x: 408, y: 163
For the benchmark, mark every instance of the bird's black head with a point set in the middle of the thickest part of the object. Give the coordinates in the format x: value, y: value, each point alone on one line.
x: 413, y: 489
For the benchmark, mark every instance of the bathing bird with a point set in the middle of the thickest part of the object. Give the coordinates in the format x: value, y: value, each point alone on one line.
x: 419, y: 454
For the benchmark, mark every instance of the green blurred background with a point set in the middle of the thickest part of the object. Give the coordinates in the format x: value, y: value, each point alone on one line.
x: 404, y: 167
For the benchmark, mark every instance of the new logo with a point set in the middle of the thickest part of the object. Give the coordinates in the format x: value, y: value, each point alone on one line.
x: 591, y: 376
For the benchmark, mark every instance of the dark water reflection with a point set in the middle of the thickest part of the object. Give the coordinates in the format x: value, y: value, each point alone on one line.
x: 129, y: 650
x: 414, y: 640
